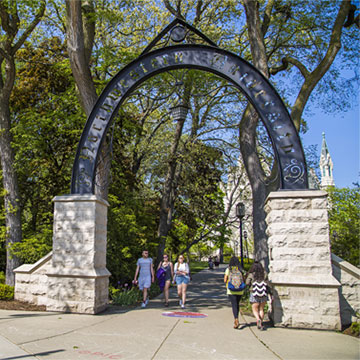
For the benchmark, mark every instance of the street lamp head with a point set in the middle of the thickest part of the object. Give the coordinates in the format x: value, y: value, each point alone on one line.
x: 179, y: 112
x: 240, y: 210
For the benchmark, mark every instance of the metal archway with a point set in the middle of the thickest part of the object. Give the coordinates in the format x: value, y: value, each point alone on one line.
x: 258, y: 90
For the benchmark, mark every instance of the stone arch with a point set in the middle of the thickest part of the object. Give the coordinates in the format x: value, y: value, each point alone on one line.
x: 258, y: 90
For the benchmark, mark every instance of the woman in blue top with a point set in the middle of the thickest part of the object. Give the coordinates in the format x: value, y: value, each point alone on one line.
x: 234, y: 296
x: 144, y: 266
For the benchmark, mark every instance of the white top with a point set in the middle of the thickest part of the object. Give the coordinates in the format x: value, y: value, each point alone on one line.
x: 182, y: 267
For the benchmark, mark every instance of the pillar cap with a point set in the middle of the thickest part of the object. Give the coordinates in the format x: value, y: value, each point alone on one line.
x: 80, y: 198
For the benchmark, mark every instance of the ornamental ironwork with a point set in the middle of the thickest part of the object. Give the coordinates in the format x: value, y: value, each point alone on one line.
x: 207, y: 57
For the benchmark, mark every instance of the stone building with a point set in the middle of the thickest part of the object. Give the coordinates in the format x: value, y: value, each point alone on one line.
x: 326, y: 166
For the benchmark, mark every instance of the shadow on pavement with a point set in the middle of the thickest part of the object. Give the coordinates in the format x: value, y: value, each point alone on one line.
x: 45, y: 353
x: 26, y: 315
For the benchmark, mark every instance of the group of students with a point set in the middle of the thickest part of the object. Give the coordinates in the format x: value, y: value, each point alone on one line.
x: 256, y: 279
x: 180, y: 274
x: 235, y: 278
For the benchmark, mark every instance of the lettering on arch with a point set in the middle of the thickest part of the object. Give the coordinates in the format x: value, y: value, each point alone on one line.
x: 258, y: 90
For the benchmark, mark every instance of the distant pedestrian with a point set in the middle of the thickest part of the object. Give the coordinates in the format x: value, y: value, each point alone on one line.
x: 234, y: 270
x: 168, y: 268
x: 210, y: 263
x: 217, y: 262
x: 257, y: 280
x: 182, y: 276
x: 145, y: 266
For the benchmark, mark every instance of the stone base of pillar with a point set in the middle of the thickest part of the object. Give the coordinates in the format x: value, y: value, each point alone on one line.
x: 82, y: 295
x: 78, y: 280
x: 305, y: 291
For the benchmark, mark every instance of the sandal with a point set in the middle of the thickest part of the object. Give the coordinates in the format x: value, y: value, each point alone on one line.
x: 166, y: 304
x: 236, y: 323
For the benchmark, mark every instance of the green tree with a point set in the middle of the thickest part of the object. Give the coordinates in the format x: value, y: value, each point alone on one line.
x: 47, y: 124
x: 18, y: 21
x: 311, y: 50
x: 344, y: 221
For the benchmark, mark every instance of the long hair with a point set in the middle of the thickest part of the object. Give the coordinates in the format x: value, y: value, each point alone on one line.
x: 258, y: 271
x: 234, y: 262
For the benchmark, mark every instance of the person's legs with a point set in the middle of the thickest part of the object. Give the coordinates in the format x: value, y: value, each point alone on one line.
x: 179, y: 291
x: 166, y: 291
x: 255, y: 310
x: 238, y: 298
x: 183, y: 298
x: 261, y: 312
x: 145, y: 291
x: 232, y: 299
x: 235, y: 299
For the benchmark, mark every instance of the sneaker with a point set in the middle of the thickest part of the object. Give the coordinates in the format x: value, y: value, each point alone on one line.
x: 180, y: 302
x: 166, y: 304
x: 143, y: 304
x: 146, y: 301
x: 182, y: 306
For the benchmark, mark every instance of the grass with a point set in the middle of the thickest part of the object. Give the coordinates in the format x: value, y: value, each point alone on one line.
x: 197, y: 266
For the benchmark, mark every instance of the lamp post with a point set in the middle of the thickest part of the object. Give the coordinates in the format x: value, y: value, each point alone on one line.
x: 246, y: 244
x: 240, y: 213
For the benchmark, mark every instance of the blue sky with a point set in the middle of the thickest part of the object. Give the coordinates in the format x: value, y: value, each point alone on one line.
x: 342, y: 134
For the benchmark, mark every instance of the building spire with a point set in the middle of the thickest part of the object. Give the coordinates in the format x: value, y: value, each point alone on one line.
x: 326, y: 165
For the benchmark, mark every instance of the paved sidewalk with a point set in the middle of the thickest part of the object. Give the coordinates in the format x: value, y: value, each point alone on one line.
x: 147, y: 334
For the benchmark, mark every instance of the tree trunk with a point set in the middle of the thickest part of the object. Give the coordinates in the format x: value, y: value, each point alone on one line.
x: 80, y: 30
x: 10, y: 43
x: 247, y: 135
x: 168, y: 198
x: 79, y: 51
x: 10, y: 184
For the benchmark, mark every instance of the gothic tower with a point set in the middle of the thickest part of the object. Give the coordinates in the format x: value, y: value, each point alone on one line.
x: 326, y: 166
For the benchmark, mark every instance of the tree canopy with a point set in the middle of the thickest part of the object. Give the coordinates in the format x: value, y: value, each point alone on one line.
x: 167, y: 176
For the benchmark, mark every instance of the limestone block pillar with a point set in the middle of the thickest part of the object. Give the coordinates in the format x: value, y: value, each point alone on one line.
x: 78, y: 279
x: 305, y: 291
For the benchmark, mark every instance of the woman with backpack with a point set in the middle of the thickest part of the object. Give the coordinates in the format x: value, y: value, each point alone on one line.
x: 235, y: 286
x: 257, y: 280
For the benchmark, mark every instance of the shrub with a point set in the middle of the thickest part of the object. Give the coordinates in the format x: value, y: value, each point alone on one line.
x: 355, y: 329
x: 6, y: 292
x: 2, y: 277
x: 125, y: 297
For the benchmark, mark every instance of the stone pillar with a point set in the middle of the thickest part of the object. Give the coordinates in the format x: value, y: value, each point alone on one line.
x: 78, y: 279
x: 305, y: 291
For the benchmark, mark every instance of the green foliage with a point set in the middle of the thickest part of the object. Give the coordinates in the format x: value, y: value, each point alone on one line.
x: 344, y: 221
x: 6, y: 292
x: 47, y: 121
x: 131, y: 296
x: 131, y: 228
x: 125, y: 297
x: 355, y: 328
x: 2, y: 277
x: 196, y: 266
x: 33, y: 248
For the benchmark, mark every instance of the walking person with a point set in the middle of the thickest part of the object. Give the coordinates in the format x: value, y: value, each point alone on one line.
x: 182, y: 276
x: 145, y: 267
x: 168, y: 268
x: 257, y: 280
x: 235, y: 286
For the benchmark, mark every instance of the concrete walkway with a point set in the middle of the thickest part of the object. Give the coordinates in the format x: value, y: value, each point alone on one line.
x: 148, y: 334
